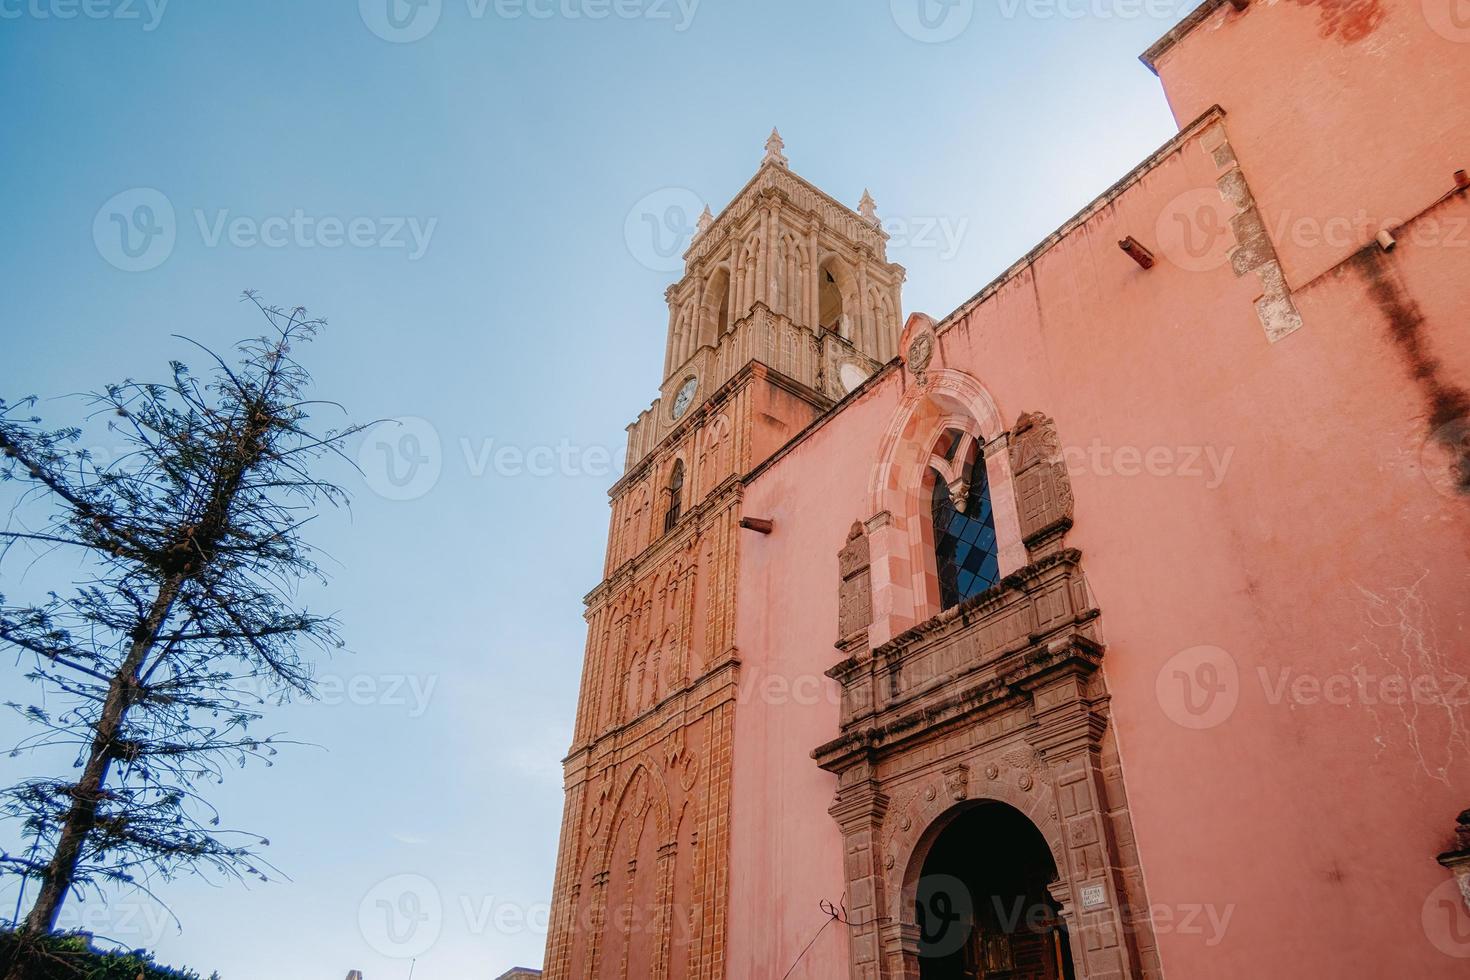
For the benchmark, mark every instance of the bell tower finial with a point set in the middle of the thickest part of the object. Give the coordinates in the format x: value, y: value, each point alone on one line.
x: 774, y: 146
x: 868, y: 208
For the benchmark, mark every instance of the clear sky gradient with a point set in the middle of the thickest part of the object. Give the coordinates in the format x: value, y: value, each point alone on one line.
x: 470, y: 211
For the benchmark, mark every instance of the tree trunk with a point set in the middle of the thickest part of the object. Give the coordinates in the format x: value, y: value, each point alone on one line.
x: 60, y: 872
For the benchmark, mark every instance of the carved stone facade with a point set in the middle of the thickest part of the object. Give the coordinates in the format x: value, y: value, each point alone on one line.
x: 643, y: 864
x: 786, y: 276
x: 1000, y: 699
x: 1262, y: 368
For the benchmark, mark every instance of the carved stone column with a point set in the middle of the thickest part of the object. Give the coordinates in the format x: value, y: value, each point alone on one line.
x: 1069, y: 738
x: 859, y: 811
x: 762, y: 259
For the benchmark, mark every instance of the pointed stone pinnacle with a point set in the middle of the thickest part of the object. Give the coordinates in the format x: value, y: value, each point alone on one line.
x: 705, y: 220
x: 774, y: 146
x: 868, y: 208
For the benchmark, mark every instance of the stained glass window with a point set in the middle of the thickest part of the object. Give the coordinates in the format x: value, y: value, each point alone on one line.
x: 964, y: 543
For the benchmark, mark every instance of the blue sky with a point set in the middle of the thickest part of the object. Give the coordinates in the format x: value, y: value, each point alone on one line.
x: 468, y: 211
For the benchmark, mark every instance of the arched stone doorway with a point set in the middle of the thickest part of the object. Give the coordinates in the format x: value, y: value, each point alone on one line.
x: 983, y: 909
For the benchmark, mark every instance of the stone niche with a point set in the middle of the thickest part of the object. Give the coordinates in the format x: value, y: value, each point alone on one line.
x: 999, y: 699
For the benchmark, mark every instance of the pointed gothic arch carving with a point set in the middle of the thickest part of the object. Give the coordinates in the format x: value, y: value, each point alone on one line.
x: 793, y: 266
x: 642, y: 796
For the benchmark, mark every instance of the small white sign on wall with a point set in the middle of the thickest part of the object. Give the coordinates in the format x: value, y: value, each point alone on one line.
x: 1094, y: 896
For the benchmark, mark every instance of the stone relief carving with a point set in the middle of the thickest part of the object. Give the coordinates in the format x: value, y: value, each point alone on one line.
x: 920, y: 356
x: 1043, y: 488
x: 855, y: 587
x: 957, y: 782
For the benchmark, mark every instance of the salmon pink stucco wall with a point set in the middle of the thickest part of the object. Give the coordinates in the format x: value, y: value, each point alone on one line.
x: 1283, y: 505
x: 1347, y: 114
x: 786, y: 856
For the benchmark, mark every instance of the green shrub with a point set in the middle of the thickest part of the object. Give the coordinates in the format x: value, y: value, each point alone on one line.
x: 71, y: 956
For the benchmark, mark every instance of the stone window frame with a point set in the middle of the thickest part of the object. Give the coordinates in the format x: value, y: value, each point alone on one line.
x: 905, y: 576
x: 674, y: 488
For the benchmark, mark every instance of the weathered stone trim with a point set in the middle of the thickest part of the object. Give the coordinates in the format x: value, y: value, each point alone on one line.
x: 1253, y: 252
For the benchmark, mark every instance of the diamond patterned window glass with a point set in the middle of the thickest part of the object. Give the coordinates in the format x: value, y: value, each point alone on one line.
x: 964, y: 543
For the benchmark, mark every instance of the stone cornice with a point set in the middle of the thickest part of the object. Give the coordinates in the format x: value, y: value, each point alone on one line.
x: 753, y: 370
x: 691, y: 526
x: 1012, y: 669
x: 715, y: 687
x: 988, y: 603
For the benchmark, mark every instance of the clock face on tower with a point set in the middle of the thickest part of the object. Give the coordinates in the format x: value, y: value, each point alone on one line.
x: 685, y: 398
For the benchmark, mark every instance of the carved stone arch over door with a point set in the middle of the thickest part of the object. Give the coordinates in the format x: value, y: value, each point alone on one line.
x: 1003, y: 826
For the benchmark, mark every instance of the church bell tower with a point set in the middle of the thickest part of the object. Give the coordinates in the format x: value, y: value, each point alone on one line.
x: 787, y: 304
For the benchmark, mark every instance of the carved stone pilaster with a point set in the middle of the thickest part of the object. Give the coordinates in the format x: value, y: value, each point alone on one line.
x: 859, y: 811
x: 1071, y: 720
